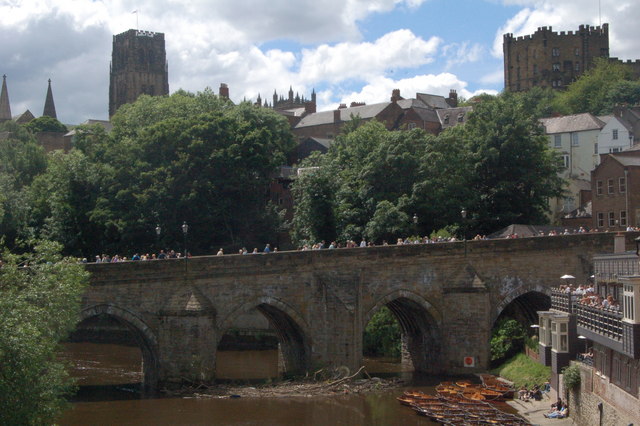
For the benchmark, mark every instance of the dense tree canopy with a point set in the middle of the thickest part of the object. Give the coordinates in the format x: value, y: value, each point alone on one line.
x: 39, y: 304
x: 599, y: 89
x: 372, y: 181
x: 45, y: 124
x: 192, y: 158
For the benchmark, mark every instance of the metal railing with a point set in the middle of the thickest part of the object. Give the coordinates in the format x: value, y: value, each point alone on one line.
x: 561, y: 300
x: 605, y: 322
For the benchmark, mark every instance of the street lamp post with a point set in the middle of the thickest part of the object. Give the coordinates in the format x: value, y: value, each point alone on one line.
x: 415, y: 224
x: 185, y: 231
x: 463, y: 213
x: 158, y: 232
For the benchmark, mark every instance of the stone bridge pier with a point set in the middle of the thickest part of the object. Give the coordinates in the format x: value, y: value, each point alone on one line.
x: 446, y: 298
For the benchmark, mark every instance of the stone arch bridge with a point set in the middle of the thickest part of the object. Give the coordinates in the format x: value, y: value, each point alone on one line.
x: 446, y: 297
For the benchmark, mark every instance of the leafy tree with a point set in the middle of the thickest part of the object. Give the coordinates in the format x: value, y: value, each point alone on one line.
x: 21, y: 160
x: 511, y: 171
x: 507, y: 338
x: 38, y: 307
x: 192, y: 158
x: 595, y: 90
x: 45, y: 124
x: 382, y: 335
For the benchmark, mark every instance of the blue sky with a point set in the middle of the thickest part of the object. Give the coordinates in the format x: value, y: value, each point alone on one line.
x: 347, y: 50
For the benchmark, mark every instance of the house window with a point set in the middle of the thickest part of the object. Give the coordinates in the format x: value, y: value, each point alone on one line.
x: 575, y: 139
x: 623, y: 218
x: 612, y: 219
x: 576, y: 51
x: 600, y: 217
x: 622, y: 185
x: 557, y: 141
x: 411, y: 125
x: 610, y: 187
x: 460, y: 118
x: 595, y: 148
x: 614, y: 150
x: 614, y: 134
x: 446, y: 119
x: 599, y: 187
x: 556, y: 66
x: 535, y: 69
x: 577, y: 67
x: 565, y: 161
x: 555, y: 51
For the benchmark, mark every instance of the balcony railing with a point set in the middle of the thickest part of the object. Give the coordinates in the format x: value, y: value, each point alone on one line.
x: 605, y: 322
x: 561, y: 300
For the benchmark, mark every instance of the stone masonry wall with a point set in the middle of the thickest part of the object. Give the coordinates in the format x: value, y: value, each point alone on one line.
x: 447, y: 297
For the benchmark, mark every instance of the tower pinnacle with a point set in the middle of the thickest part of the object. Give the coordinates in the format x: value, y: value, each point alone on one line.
x: 49, y: 106
x: 5, y: 108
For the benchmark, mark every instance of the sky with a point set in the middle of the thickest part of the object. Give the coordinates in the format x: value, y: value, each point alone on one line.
x: 345, y: 50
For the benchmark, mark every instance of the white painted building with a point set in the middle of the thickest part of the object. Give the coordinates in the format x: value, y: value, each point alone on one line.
x: 575, y: 138
x: 615, y: 136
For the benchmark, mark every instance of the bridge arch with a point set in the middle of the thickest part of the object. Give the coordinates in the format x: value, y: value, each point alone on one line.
x: 525, y: 299
x: 142, y: 333
x: 290, y: 327
x: 420, y: 322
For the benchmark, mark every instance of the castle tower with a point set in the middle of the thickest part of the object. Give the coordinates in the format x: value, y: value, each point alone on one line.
x: 138, y: 66
x: 5, y: 108
x: 49, y: 106
x: 552, y: 59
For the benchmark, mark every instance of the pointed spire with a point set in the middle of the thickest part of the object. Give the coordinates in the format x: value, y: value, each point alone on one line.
x: 5, y: 108
x: 49, y: 106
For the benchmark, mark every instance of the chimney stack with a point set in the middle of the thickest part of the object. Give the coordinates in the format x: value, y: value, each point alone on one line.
x: 395, y: 95
x: 310, y: 107
x: 453, y: 98
x: 336, y: 116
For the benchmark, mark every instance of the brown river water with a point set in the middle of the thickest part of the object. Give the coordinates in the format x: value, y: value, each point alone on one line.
x: 109, y: 376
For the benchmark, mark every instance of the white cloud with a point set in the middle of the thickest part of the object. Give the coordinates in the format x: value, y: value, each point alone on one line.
x: 379, y: 89
x: 462, y: 53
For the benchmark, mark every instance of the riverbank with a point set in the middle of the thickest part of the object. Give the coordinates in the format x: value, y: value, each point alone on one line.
x: 534, y: 411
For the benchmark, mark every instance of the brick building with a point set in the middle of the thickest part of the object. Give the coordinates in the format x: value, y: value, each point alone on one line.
x: 615, y: 195
x: 551, y: 59
x: 138, y: 66
x: 432, y: 113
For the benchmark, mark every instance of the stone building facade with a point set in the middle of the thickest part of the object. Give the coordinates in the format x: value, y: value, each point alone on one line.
x: 138, y: 66
x: 551, y: 59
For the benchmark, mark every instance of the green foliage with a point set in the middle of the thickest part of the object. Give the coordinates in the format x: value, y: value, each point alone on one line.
x: 523, y: 371
x: 38, y: 306
x: 571, y: 376
x: 507, y: 338
x: 382, y: 335
x: 598, y: 89
x: 45, y: 124
x: 372, y: 181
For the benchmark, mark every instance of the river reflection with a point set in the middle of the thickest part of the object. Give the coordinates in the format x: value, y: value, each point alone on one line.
x: 110, y: 375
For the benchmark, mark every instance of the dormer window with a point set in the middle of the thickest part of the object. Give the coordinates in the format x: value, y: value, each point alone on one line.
x: 460, y: 117
x: 446, y: 119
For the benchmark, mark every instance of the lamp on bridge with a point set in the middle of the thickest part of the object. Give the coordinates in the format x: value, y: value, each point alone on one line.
x: 415, y: 224
x: 185, y: 231
x: 158, y: 232
x: 463, y: 213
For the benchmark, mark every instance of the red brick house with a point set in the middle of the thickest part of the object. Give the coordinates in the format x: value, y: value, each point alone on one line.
x: 615, y: 189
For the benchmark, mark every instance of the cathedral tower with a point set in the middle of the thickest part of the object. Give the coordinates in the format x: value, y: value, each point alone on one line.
x: 138, y: 66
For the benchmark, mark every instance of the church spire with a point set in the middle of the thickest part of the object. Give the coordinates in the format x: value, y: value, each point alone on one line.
x: 5, y: 108
x: 49, y: 106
